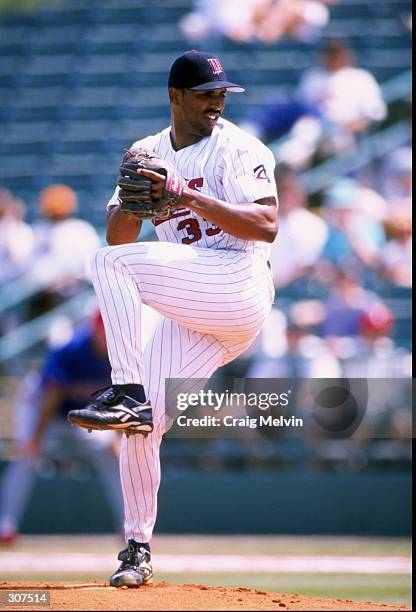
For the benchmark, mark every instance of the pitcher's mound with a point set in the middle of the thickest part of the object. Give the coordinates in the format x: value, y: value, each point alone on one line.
x: 97, y: 595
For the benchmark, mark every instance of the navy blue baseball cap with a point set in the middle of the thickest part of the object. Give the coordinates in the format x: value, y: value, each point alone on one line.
x: 200, y: 72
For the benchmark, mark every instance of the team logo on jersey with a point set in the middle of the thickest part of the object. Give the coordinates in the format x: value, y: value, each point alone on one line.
x: 196, y: 183
x: 215, y: 65
x: 260, y: 173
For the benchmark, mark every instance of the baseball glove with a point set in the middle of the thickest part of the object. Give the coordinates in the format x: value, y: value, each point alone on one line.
x: 135, y: 193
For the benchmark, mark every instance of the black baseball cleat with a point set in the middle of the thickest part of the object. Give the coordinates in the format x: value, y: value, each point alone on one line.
x: 135, y: 568
x: 113, y: 409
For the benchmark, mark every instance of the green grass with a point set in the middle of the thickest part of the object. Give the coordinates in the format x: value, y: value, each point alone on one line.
x: 238, y: 545
x: 284, y: 545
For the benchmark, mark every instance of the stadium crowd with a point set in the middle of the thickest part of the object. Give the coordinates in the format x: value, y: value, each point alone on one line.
x: 265, y: 20
x: 342, y: 259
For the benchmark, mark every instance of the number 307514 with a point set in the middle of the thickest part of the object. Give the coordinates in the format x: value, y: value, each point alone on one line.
x: 12, y: 598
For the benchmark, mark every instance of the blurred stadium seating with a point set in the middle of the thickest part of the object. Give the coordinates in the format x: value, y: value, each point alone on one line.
x: 78, y: 81
x: 81, y: 80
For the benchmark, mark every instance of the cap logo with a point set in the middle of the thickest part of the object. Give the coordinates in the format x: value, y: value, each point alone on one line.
x: 215, y: 65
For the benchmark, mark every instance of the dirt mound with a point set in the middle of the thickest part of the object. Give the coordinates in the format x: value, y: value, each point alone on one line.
x: 96, y: 595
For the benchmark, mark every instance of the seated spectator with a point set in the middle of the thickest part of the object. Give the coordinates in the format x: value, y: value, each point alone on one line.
x: 375, y: 354
x: 347, y: 96
x: 357, y: 326
x: 396, y: 256
x: 345, y: 304
x: 333, y: 104
x: 16, y: 237
x: 397, y: 182
x: 214, y: 18
x: 302, y: 20
x: 264, y: 20
x: 290, y: 348
x: 370, y: 202
x: 355, y: 237
x: 62, y: 249
x: 302, y: 234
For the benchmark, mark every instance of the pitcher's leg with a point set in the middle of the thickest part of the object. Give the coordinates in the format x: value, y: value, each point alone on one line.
x: 120, y: 306
x: 223, y: 294
x: 173, y: 352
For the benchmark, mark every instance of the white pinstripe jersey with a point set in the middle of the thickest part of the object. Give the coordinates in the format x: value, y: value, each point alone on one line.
x: 230, y: 165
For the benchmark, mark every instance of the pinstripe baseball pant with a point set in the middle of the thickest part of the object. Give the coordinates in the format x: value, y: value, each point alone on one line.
x: 213, y: 303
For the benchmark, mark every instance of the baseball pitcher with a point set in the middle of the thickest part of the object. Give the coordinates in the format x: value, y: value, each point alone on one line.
x: 209, y: 189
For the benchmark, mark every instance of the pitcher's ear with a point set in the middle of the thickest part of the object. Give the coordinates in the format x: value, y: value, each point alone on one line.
x: 175, y: 95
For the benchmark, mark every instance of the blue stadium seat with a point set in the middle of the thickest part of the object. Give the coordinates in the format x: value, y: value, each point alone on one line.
x: 81, y: 78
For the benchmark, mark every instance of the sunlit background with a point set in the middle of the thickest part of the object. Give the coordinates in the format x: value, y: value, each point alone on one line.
x: 329, y: 91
